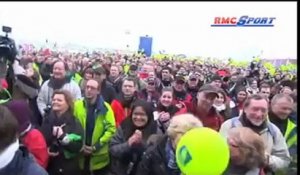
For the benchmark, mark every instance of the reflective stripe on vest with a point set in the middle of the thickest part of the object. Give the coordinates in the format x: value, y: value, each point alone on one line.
x: 291, y: 133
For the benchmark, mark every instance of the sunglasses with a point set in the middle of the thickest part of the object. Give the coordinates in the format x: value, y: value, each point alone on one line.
x: 193, y: 79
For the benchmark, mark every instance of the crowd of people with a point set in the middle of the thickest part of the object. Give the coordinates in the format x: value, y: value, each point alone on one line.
x: 99, y: 114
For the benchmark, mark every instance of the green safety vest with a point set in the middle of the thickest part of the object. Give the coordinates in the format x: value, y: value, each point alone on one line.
x: 37, y: 69
x: 77, y: 78
x: 291, y: 134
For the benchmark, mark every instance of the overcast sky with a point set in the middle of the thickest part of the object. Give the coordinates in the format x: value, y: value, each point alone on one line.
x: 176, y: 27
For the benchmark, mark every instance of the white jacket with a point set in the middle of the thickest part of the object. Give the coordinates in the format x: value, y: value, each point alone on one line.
x: 275, y: 144
x: 46, y: 92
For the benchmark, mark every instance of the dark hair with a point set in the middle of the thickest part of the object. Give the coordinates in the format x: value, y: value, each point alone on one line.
x: 88, y: 70
x: 65, y: 64
x: 8, y: 127
x: 254, y: 97
x: 149, y: 129
x: 167, y: 89
x: 264, y: 85
x: 167, y: 68
x: 68, y: 97
x: 129, y: 79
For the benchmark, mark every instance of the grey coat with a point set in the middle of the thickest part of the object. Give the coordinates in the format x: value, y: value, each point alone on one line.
x: 46, y: 92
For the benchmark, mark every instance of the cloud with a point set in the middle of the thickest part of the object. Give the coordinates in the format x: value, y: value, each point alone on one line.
x: 177, y: 27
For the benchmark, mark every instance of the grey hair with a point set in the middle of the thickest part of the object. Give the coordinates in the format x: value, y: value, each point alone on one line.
x: 281, y: 96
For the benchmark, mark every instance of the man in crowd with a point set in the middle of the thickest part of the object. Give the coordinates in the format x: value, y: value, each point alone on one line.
x: 281, y: 109
x: 115, y: 77
x: 255, y: 117
x: 57, y: 81
x: 122, y: 104
x: 107, y: 90
x: 202, y: 107
x: 166, y: 78
x: 98, y: 121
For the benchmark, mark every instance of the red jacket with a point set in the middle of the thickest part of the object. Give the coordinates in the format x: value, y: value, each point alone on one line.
x: 212, y: 120
x: 36, y: 145
x: 119, y: 111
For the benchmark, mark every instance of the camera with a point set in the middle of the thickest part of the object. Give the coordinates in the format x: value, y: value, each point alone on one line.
x: 8, y: 52
x: 6, y: 29
x: 47, y: 109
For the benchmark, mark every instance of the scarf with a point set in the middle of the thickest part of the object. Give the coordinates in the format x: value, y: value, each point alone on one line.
x: 247, y: 123
x: 219, y: 108
x: 8, y: 154
x: 57, y: 83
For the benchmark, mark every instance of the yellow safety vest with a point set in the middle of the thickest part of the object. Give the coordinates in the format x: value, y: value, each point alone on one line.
x: 290, y: 134
x: 36, y: 68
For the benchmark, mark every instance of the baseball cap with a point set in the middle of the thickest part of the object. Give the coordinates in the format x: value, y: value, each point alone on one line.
x: 207, y: 88
x: 99, y: 70
x: 180, y: 78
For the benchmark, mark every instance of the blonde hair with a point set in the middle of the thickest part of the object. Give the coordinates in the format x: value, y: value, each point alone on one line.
x: 180, y: 124
x: 251, y: 146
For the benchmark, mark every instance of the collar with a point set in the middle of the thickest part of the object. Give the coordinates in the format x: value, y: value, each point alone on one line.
x: 26, y: 130
x: 8, y: 154
x: 100, y: 105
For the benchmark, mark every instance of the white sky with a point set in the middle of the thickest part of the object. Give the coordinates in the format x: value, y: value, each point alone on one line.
x: 176, y: 27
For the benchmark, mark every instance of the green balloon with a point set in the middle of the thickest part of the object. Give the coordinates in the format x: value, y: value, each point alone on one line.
x: 202, y: 151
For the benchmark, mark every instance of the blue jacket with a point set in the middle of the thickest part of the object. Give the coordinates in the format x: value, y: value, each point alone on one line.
x: 23, y: 164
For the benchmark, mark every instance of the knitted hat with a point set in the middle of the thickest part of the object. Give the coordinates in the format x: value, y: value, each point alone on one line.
x: 20, y: 109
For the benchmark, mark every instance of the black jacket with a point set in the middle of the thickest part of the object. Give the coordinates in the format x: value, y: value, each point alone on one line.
x: 67, y: 160
x: 108, y: 91
x: 125, y: 158
x: 117, y: 83
x: 154, y: 160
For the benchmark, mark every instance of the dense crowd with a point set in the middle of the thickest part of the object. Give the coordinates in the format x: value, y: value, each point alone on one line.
x: 116, y: 114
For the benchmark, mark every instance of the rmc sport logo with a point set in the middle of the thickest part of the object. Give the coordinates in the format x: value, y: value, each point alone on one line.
x: 243, y: 21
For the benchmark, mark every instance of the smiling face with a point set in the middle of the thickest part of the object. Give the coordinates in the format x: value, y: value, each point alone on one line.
x: 219, y: 100
x: 241, y: 96
x: 59, y: 103
x: 257, y: 111
x: 139, y: 117
x: 205, y: 100
x: 59, y: 71
x: 166, y: 98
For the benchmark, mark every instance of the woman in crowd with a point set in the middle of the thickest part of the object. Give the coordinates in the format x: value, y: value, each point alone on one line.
x: 247, y: 152
x: 223, y: 104
x: 128, y: 144
x: 241, y: 96
x: 63, y: 134
x: 166, y: 110
x: 159, y: 159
